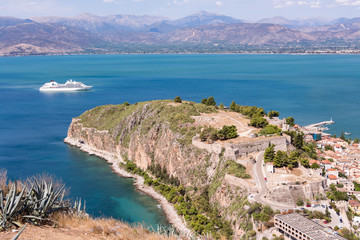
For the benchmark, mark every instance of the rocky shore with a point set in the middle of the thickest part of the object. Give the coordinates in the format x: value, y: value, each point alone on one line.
x: 171, y: 214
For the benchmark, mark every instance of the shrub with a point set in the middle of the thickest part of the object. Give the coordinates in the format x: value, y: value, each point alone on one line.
x: 272, y: 114
x: 177, y: 99
x: 270, y: 129
x: 258, y: 122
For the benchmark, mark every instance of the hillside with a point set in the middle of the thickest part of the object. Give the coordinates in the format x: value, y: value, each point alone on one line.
x: 206, y: 183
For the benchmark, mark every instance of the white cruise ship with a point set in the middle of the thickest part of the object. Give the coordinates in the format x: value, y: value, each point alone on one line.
x: 69, y: 86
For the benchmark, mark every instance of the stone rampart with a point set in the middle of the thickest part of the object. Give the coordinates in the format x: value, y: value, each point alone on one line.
x: 236, y: 150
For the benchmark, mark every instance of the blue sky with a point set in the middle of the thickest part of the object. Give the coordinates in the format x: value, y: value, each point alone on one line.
x: 243, y: 9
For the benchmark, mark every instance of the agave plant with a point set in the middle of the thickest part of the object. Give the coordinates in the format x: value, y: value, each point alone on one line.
x: 42, y: 199
x: 77, y: 208
x: 14, y: 204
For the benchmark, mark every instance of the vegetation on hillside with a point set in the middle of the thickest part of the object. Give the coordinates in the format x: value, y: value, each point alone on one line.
x: 112, y: 117
x: 196, y: 209
x: 254, y: 113
x: 210, y: 133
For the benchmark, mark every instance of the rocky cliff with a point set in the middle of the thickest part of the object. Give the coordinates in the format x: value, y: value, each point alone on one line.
x: 161, y: 133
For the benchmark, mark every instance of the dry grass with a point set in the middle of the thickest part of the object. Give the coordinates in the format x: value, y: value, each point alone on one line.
x: 78, y: 228
x: 107, y: 228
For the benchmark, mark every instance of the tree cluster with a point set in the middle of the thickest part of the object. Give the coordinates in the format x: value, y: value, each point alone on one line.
x: 210, y: 133
x: 269, y: 130
x: 272, y: 114
x: 335, y: 195
x: 256, y: 114
x: 210, y: 101
x: 162, y: 175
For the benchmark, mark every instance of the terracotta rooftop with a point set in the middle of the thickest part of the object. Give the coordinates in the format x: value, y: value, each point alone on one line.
x: 332, y: 177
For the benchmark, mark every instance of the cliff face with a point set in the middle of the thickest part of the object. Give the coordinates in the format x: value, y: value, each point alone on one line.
x: 143, y: 137
x: 161, y: 132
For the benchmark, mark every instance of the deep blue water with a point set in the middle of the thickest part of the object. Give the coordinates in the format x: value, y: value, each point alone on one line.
x: 33, y: 124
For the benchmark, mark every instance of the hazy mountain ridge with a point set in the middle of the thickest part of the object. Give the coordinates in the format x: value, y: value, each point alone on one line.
x: 87, y: 32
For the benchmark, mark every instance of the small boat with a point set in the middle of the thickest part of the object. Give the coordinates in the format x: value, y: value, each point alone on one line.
x: 347, y: 133
x: 69, y: 86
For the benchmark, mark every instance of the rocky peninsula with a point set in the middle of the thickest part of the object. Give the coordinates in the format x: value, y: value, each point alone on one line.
x: 201, y: 175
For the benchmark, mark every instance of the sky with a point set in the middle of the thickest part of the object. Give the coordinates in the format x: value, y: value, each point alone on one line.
x: 251, y: 10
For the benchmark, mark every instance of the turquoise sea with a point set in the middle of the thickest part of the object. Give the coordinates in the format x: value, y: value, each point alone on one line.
x: 311, y: 88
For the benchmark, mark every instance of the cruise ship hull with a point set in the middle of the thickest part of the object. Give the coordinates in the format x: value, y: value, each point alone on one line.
x: 64, y: 89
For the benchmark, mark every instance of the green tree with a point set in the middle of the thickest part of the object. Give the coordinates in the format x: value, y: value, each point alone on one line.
x: 300, y: 202
x: 126, y: 104
x: 329, y: 147
x: 272, y: 114
x: 342, y: 136
x: 293, y: 159
x: 221, y: 106
x: 232, y: 106
x: 227, y: 132
x: 177, y: 99
x: 305, y: 162
x: 299, y: 140
x: 356, y: 140
x: 280, y: 159
x: 315, y: 166
x: 258, y: 122
x: 270, y: 129
x: 210, y: 101
x: 290, y: 121
x: 203, y: 101
x: 269, y: 153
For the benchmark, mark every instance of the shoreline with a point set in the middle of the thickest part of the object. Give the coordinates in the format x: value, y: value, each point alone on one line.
x: 184, y: 53
x: 174, y: 219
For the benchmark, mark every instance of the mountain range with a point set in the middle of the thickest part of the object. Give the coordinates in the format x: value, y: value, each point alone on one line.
x: 201, y: 32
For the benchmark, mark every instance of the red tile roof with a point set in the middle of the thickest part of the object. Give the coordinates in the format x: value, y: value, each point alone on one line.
x: 332, y: 177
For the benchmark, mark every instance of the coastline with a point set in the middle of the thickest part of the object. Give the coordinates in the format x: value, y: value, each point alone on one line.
x: 174, y: 219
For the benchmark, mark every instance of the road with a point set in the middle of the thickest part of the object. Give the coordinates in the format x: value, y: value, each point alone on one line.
x: 262, y: 185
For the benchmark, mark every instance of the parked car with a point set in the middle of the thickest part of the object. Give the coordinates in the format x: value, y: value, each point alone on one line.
x: 341, y: 221
x: 308, y: 205
x: 323, y: 206
x: 338, y: 213
x: 325, y: 222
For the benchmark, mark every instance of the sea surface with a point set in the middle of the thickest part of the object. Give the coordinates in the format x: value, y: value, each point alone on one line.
x: 311, y: 88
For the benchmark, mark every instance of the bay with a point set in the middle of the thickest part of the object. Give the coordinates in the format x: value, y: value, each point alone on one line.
x: 311, y: 88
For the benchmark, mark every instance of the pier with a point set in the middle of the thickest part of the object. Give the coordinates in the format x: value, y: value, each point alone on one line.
x: 318, y: 127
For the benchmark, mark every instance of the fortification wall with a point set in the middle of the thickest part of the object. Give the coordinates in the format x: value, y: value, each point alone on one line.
x: 236, y: 150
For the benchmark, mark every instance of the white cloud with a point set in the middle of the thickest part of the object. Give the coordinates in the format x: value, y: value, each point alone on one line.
x: 109, y: 1
x: 218, y: 3
x: 308, y: 3
x: 352, y: 3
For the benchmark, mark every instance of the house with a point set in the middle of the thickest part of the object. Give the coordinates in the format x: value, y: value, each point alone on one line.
x: 332, y: 179
x: 327, y: 164
x: 338, y: 148
x: 332, y: 171
x: 348, y: 186
x: 354, y: 205
x: 270, y: 167
x: 356, y: 219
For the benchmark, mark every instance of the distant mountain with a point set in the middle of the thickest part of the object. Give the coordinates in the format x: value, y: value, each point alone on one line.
x: 203, y: 18
x: 36, y: 38
x: 298, y: 23
x: 98, y: 24
x: 241, y: 33
x: 11, y: 21
x: 130, y: 33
